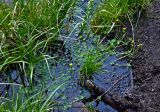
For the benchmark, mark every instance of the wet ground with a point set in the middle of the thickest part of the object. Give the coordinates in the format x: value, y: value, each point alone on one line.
x: 146, y: 61
x: 73, y: 46
x: 146, y: 67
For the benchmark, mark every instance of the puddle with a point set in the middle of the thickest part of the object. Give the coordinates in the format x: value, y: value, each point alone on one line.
x: 7, y: 1
x: 72, y: 91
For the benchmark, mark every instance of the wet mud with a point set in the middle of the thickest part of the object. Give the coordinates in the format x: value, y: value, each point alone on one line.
x: 146, y: 62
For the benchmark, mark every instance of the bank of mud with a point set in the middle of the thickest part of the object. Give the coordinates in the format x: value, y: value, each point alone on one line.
x: 146, y: 61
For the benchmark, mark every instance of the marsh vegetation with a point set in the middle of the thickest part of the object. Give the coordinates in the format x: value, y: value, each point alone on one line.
x: 48, y: 46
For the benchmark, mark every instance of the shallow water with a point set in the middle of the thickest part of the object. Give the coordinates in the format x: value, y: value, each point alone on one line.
x: 111, y: 73
x: 106, y: 79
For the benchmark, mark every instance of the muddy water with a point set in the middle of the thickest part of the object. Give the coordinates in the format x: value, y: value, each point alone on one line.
x: 111, y: 73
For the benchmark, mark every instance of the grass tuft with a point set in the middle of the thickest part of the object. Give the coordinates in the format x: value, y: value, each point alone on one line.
x: 27, y: 30
x: 113, y: 13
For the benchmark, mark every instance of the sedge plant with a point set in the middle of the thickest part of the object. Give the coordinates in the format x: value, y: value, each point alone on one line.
x: 27, y: 29
x: 39, y: 101
x: 112, y: 13
x: 92, y: 64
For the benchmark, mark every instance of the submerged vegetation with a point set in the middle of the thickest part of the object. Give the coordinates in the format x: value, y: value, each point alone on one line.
x: 30, y: 31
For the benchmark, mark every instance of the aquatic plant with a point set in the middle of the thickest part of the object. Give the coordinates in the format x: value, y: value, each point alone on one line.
x: 92, y: 58
x: 92, y: 64
x: 28, y: 29
x: 38, y: 101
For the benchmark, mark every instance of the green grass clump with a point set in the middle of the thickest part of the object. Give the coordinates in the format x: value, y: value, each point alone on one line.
x: 92, y: 64
x: 20, y: 104
x: 28, y: 28
x: 41, y: 100
x: 40, y: 15
x: 112, y: 13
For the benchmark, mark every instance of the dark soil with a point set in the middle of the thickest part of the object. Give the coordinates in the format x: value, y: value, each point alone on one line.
x: 146, y: 62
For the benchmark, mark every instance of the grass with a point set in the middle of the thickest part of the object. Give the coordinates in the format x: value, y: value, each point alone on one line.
x: 92, y: 64
x: 39, y: 101
x: 113, y: 13
x: 93, y: 59
x: 27, y: 30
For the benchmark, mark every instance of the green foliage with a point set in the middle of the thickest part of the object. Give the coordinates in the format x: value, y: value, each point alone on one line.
x: 40, y: 15
x: 37, y: 101
x: 27, y: 28
x: 112, y: 13
x: 92, y: 58
x: 92, y: 64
